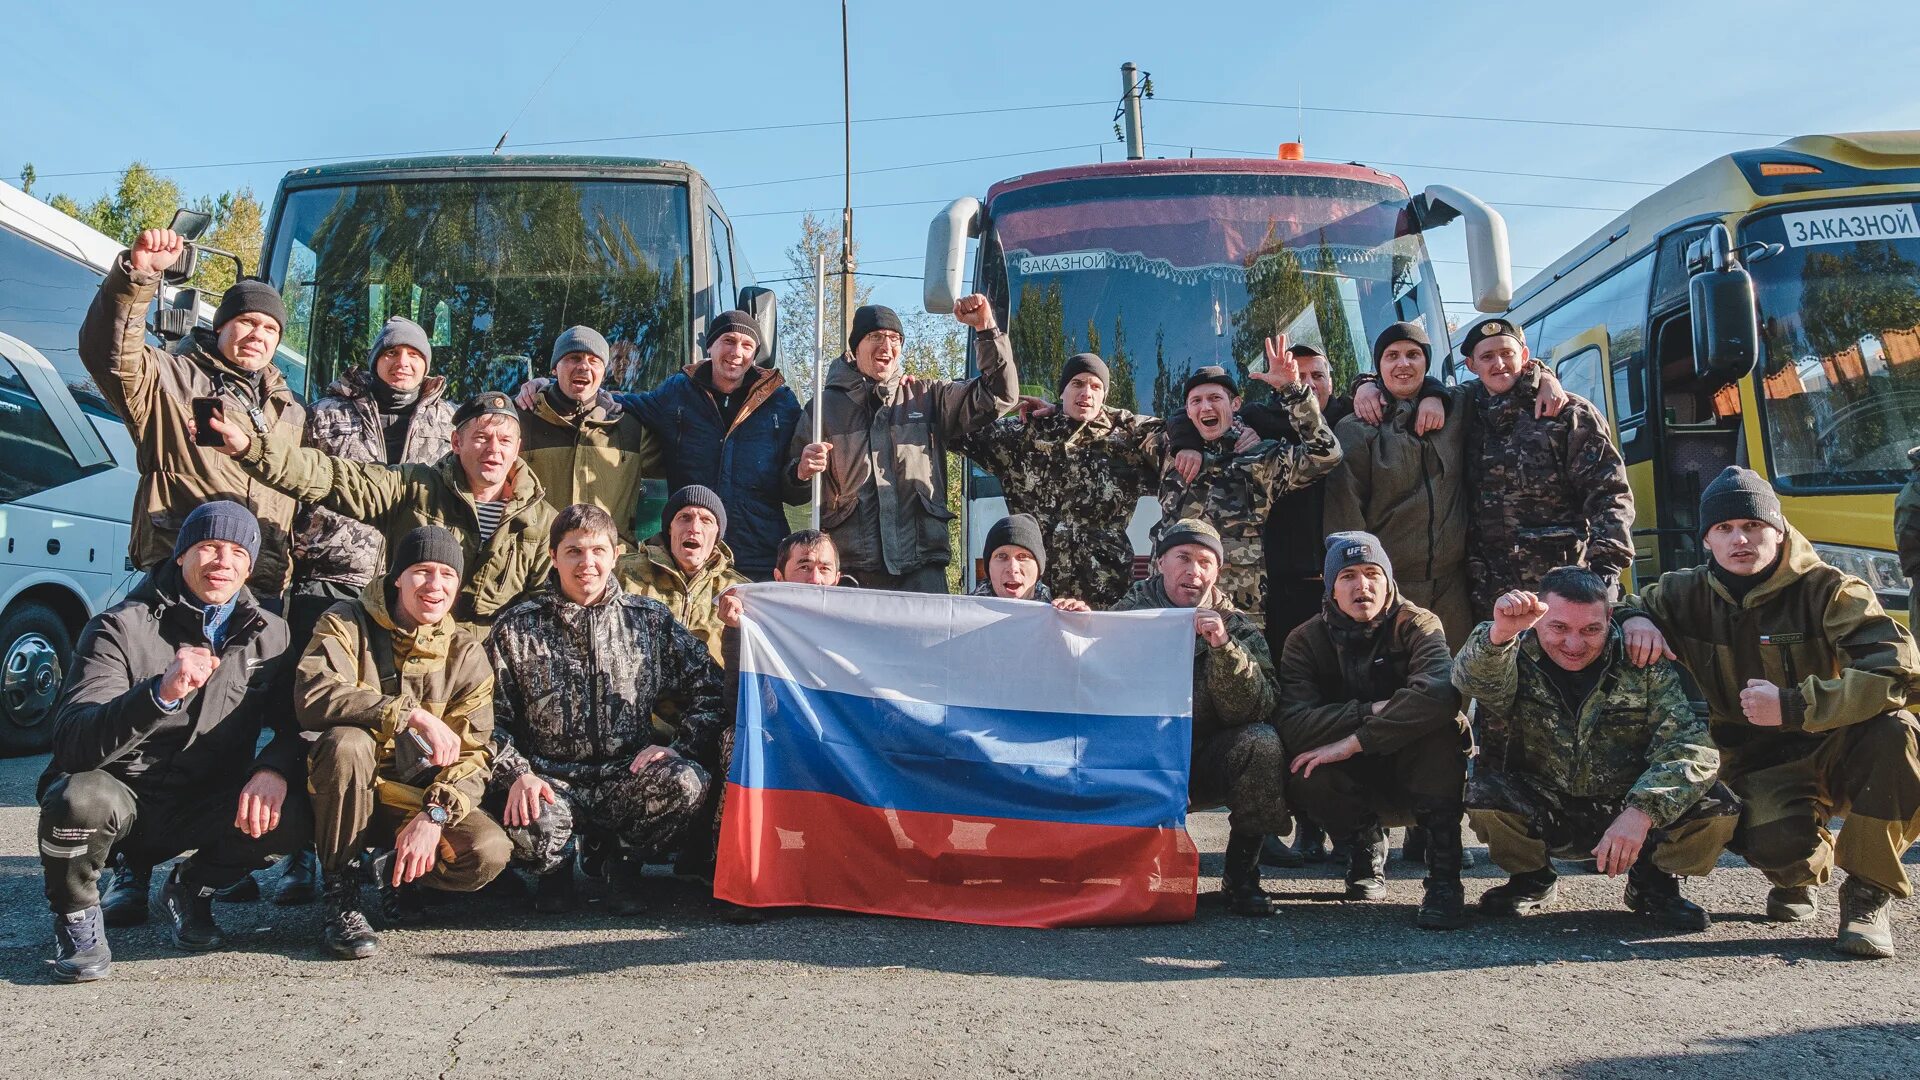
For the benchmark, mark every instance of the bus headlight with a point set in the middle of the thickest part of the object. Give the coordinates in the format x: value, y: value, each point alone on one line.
x: 1879, y: 569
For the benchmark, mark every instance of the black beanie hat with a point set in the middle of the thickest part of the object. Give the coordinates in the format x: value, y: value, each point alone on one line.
x: 428, y: 543
x: 1020, y: 530
x: 1739, y: 493
x: 251, y: 295
x: 1085, y: 363
x: 870, y: 318
x: 1190, y: 531
x: 485, y: 403
x: 731, y: 322
x: 1403, y: 331
x: 1346, y: 549
x: 1212, y: 374
x: 694, y: 495
x: 222, y: 519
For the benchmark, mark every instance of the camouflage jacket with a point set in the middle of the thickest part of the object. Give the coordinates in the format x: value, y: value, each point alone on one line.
x: 1234, y: 491
x: 1081, y: 482
x: 1545, y: 492
x: 1815, y: 631
x: 1233, y: 685
x: 652, y: 573
x: 600, y: 454
x: 1906, y: 536
x: 1634, y: 740
x: 346, y: 424
x: 577, y: 686
x: 442, y: 669
x: 400, y: 498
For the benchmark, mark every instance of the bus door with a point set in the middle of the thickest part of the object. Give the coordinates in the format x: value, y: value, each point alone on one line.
x: 1584, y: 367
x: 1700, y: 433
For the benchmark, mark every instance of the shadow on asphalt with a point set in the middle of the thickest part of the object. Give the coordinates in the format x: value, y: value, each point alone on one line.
x: 1854, y: 1050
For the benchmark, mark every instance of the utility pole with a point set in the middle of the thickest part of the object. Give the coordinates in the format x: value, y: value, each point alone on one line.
x: 846, y: 209
x: 1131, y: 86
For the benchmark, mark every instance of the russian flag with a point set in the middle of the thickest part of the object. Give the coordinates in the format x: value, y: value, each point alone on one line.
x: 947, y: 757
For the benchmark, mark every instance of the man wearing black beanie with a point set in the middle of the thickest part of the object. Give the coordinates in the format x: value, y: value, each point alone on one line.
x: 153, y: 389
x: 1808, y: 685
x: 1078, y: 470
x: 883, y: 462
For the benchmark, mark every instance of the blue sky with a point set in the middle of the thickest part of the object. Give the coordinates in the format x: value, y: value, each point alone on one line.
x: 346, y: 79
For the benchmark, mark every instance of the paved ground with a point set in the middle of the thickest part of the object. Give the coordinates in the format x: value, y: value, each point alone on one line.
x: 1324, y: 989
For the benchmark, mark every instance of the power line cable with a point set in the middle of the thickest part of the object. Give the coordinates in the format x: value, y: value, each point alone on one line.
x: 1479, y: 119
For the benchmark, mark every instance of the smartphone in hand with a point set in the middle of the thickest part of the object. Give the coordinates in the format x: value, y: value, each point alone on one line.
x: 204, y: 410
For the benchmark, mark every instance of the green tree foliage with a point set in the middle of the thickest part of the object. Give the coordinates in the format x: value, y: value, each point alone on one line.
x: 797, y: 302
x: 143, y: 199
x: 1282, y: 284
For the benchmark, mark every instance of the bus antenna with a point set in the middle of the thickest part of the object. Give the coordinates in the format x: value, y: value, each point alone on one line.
x: 584, y: 30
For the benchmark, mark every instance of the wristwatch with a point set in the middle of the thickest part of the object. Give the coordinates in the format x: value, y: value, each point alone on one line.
x: 438, y: 814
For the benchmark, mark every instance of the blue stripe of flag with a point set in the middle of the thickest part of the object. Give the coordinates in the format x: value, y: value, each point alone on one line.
x: 952, y: 759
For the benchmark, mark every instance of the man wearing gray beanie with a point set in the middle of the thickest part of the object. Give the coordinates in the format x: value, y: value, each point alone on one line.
x: 581, y: 443
x: 1808, y: 684
x: 1368, y: 706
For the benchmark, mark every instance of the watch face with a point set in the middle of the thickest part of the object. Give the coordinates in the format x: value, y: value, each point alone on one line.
x: 438, y: 815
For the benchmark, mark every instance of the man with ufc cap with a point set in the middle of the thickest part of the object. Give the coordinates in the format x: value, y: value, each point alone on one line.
x: 884, y: 461
x: 153, y: 391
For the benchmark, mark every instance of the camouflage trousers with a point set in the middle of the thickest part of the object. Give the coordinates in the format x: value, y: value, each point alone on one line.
x: 1244, y: 770
x: 1525, y: 826
x: 1869, y: 773
x: 645, y: 811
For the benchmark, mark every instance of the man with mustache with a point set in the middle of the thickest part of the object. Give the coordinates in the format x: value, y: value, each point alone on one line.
x: 1809, y: 685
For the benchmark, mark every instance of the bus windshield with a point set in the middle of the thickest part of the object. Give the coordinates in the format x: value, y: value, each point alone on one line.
x: 1165, y: 274
x: 1840, y: 325
x: 494, y: 268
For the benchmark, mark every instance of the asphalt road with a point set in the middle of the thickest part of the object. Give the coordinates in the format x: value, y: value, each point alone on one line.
x: 1325, y: 988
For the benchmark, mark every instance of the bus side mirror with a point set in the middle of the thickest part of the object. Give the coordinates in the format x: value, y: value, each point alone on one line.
x: 1726, y: 322
x: 758, y: 301
x: 947, y: 252
x: 1488, y: 263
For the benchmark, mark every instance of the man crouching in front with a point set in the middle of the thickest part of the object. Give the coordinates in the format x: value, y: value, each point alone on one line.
x: 402, y: 697
x: 153, y: 745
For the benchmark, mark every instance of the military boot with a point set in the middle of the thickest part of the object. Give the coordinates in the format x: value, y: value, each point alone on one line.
x: 1274, y: 852
x: 1444, y: 904
x: 1367, y: 863
x: 300, y: 880
x: 1653, y: 892
x: 1413, y: 845
x: 1523, y: 894
x: 1792, y: 903
x: 349, y: 936
x: 80, y: 946
x: 554, y: 892
x: 124, y: 901
x: 627, y: 873
x: 188, y: 911
x: 1866, y: 924
x: 1309, y: 839
x: 1240, y: 879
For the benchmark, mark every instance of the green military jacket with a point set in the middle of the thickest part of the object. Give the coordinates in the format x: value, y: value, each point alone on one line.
x: 1906, y: 537
x: 1407, y: 489
x: 599, y: 454
x: 1634, y: 740
x: 1812, y: 630
x: 652, y: 573
x: 400, y: 498
x: 1234, y: 492
x: 1233, y: 685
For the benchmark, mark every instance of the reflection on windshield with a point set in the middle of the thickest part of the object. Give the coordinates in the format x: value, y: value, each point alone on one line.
x: 494, y: 269
x: 1163, y: 275
x: 1841, y: 325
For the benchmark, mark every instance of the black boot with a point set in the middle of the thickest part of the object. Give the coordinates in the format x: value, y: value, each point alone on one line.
x: 1309, y: 839
x: 124, y: 901
x: 80, y: 946
x: 554, y: 892
x: 1367, y: 863
x: 349, y: 935
x: 300, y: 882
x: 188, y: 910
x: 1413, y: 846
x: 1444, y: 904
x: 1274, y: 852
x: 1655, y: 893
x: 1240, y: 880
x: 1523, y: 894
x: 627, y: 873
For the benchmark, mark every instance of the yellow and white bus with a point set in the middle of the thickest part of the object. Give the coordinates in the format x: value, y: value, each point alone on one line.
x: 1819, y: 390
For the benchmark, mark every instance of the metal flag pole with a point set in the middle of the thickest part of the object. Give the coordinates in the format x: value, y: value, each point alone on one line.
x: 819, y: 368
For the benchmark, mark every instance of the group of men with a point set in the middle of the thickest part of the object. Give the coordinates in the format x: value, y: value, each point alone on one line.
x: 440, y: 621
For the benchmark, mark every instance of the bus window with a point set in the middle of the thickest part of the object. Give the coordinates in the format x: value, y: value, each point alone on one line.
x: 1619, y: 303
x: 37, y: 457
x: 43, y: 302
x: 1582, y: 374
x: 725, y: 295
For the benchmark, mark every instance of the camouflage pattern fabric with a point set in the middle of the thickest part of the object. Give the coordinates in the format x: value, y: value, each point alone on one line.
x: 1633, y: 741
x: 1234, y: 492
x: 1081, y: 482
x: 1546, y: 492
x: 539, y: 845
x: 1233, y: 685
x: 647, y: 811
x: 1525, y: 826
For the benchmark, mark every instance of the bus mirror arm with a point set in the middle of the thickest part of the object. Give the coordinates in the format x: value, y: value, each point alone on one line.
x: 1488, y: 263
x: 947, y: 240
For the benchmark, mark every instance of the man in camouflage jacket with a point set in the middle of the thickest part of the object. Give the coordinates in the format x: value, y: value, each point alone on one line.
x: 1587, y: 756
x: 1079, y: 470
x: 1906, y: 535
x: 1234, y: 491
x: 1546, y: 491
x: 1237, y: 758
x: 582, y: 666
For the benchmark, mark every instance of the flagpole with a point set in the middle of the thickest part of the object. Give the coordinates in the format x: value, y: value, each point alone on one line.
x: 819, y: 368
